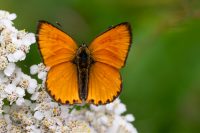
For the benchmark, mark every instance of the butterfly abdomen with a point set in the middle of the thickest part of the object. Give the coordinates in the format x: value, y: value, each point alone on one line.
x: 83, y: 61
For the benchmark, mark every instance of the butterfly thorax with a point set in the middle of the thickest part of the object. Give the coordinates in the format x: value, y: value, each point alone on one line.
x: 83, y: 61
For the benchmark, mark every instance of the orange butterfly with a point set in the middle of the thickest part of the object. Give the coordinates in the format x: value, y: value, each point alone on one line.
x: 87, y: 73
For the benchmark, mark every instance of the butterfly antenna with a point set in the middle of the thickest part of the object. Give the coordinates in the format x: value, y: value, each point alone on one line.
x: 109, y: 27
x: 58, y: 24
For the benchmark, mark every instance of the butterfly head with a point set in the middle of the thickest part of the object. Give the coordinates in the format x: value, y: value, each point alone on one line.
x: 83, y: 45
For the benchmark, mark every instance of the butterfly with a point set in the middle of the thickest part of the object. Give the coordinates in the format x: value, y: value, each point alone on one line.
x: 84, y: 74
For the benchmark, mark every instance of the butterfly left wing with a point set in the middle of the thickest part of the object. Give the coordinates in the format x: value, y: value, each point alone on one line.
x: 109, y: 52
x: 58, y: 51
x: 55, y: 46
x: 104, y: 84
x: 112, y: 46
x: 62, y: 83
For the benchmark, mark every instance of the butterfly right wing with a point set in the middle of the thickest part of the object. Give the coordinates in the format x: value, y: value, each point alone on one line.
x: 112, y: 46
x: 109, y: 52
x: 62, y: 83
x: 58, y: 51
x: 104, y: 84
x: 55, y: 46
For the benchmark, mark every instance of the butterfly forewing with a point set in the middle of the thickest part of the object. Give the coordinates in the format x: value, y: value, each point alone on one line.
x: 112, y: 46
x: 55, y: 45
x: 58, y: 51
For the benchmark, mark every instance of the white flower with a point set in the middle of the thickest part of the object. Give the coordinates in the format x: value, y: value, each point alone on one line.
x: 9, y: 69
x: 12, y: 98
x: 10, y: 88
x: 34, y: 69
x: 7, y: 118
x: 104, y: 120
x: 16, y: 76
x: 41, y: 70
x: 129, y: 118
x: 32, y: 86
x: 3, y: 126
x: 78, y: 126
x: 121, y: 108
x: 97, y: 108
x: 28, y: 39
x: 3, y: 62
x: 38, y: 115
x: 11, y: 48
x: 2, y: 49
x: 33, y: 129
x: 2, y: 92
x: 64, y: 111
x: 116, y: 106
x: 16, y: 56
x: 20, y: 101
x: 42, y: 75
x: 35, y: 96
x: 7, y: 15
x: 3, y: 78
x: 121, y: 126
x: 28, y: 103
x: 20, y: 92
x: 6, y: 109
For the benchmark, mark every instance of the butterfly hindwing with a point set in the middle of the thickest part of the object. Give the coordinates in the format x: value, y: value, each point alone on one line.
x: 58, y: 51
x: 112, y: 46
x: 104, y: 84
x: 62, y: 83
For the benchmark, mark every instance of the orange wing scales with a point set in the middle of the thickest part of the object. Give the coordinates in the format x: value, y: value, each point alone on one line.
x: 55, y: 45
x: 104, y: 84
x: 112, y: 46
x: 62, y: 85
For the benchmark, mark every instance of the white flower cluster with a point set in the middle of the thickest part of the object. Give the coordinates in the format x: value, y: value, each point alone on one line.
x: 14, y: 45
x: 25, y: 106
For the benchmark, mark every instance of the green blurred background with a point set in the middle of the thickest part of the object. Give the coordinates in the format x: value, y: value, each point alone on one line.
x: 162, y: 74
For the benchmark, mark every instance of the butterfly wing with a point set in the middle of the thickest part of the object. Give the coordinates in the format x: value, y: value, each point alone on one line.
x: 112, y: 46
x: 104, y: 84
x: 55, y: 46
x: 62, y: 83
x: 109, y: 52
x: 58, y: 51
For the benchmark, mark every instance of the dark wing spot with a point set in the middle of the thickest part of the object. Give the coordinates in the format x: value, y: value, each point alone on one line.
x: 92, y: 100
x: 59, y: 100
x: 67, y: 102
x: 75, y: 101
x: 108, y: 101
x: 49, y: 91
x: 114, y: 97
x: 100, y: 102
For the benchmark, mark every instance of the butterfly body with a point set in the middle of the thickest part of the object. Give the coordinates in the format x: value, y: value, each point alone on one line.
x: 83, y: 61
x: 84, y: 74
